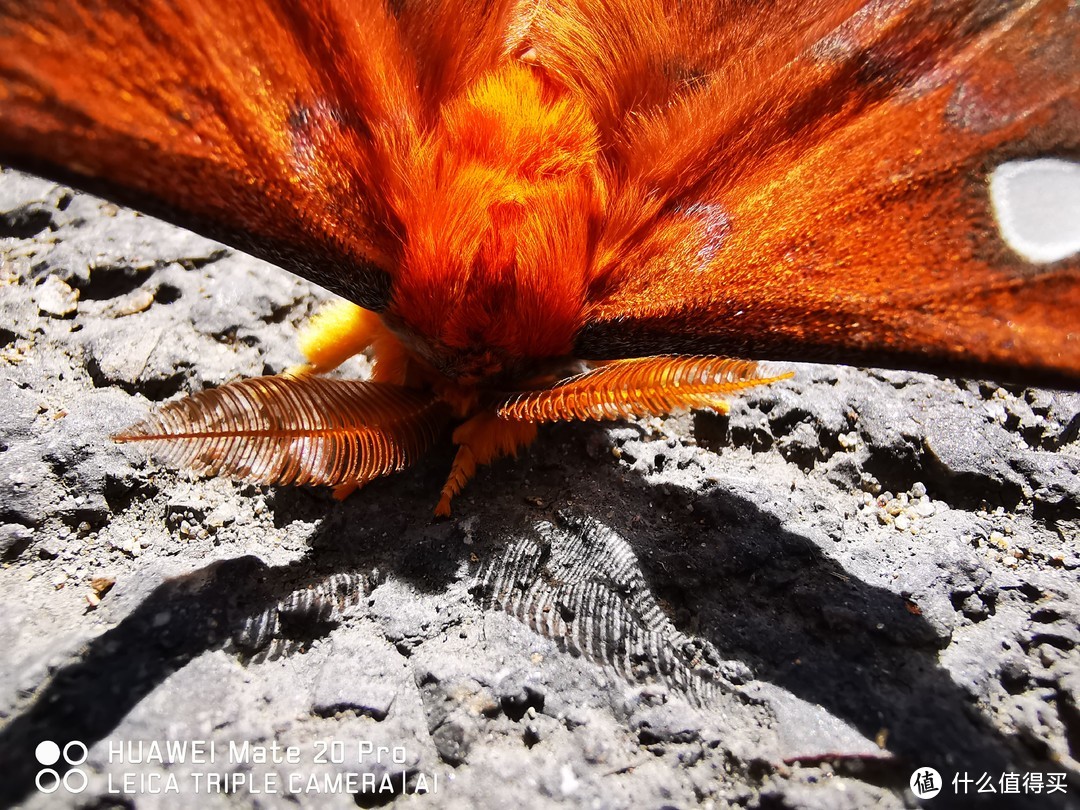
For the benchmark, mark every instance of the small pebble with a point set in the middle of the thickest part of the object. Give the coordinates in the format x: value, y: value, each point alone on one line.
x: 996, y: 411
x: 869, y: 484
x: 137, y: 301
x: 55, y: 297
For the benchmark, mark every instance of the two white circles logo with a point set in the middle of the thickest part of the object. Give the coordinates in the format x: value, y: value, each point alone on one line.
x: 49, y: 779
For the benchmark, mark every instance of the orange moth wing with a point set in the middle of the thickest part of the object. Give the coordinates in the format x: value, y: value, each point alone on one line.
x: 802, y: 181
x: 276, y: 127
x: 834, y: 204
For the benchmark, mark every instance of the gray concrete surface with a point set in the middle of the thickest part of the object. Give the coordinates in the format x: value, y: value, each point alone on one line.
x: 855, y: 574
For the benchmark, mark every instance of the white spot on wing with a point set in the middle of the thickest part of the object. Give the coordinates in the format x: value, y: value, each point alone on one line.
x: 1037, y: 207
x: 714, y: 230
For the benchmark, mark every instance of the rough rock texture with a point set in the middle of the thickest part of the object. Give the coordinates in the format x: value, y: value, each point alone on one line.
x: 855, y: 574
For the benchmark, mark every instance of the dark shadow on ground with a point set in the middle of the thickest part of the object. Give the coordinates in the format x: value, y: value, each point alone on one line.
x: 730, y: 572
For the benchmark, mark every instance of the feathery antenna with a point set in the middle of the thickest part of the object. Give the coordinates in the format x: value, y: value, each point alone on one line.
x: 294, y: 430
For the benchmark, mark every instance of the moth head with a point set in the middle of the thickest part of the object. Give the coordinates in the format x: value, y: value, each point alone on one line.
x: 470, y: 365
x: 480, y: 362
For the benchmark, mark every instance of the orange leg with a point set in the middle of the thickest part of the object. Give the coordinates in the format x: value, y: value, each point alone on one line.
x: 481, y: 440
x: 343, y: 329
x: 336, y: 333
x: 343, y: 491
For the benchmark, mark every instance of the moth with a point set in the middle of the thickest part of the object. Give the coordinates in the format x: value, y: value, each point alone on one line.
x: 541, y: 210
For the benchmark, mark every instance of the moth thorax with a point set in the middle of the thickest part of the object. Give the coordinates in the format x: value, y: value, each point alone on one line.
x: 499, y: 238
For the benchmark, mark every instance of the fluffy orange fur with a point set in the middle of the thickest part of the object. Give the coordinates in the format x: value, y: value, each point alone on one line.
x: 502, y: 195
x: 493, y: 277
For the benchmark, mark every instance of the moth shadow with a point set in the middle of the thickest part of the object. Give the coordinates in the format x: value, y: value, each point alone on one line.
x: 734, y: 575
x: 724, y: 570
x: 239, y: 605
